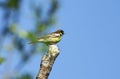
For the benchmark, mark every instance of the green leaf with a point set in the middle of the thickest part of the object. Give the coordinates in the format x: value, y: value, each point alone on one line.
x: 2, y: 60
x: 13, y: 3
x: 25, y: 76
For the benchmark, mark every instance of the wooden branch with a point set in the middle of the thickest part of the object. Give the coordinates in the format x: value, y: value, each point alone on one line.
x: 47, y: 62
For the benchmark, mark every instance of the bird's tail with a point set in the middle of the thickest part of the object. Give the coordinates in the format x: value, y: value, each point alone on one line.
x: 33, y: 42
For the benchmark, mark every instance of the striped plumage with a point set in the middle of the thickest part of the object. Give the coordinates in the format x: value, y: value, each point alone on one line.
x: 51, y: 38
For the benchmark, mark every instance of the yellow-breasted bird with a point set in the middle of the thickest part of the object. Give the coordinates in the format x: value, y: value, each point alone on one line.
x: 51, y: 38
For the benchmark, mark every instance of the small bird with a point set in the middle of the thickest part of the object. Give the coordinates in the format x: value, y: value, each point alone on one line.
x: 51, y: 38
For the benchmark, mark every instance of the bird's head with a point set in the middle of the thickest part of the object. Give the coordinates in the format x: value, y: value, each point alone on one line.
x: 61, y: 32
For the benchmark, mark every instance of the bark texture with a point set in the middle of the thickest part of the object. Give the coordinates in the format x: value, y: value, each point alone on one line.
x: 47, y: 62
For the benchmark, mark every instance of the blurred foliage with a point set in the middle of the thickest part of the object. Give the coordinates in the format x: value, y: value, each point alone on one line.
x: 13, y: 3
x: 17, y: 37
x: 24, y: 76
x: 2, y: 60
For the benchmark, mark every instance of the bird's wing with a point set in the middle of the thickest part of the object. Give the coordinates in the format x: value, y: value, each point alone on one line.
x: 44, y: 37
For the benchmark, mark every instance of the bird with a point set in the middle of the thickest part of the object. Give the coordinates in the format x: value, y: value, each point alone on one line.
x: 50, y: 39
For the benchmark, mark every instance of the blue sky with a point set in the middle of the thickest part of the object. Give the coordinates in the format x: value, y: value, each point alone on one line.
x: 90, y: 48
